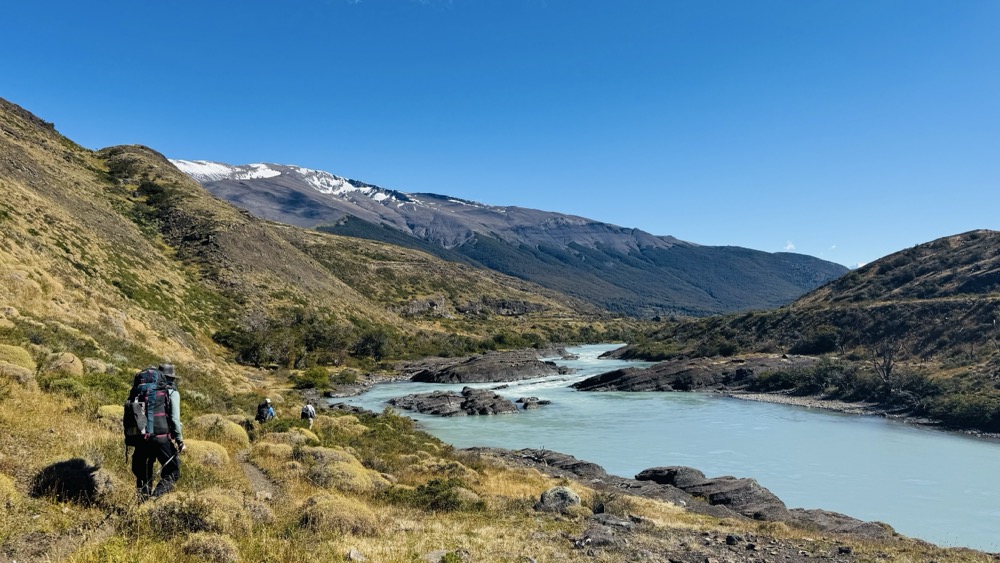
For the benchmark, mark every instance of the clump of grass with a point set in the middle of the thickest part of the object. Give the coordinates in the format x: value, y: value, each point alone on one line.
x: 212, y: 510
x: 272, y: 450
x: 205, y: 452
x: 17, y: 356
x: 211, y: 547
x: 338, y: 468
x: 216, y: 428
x: 339, y: 427
x: 437, y: 495
x: 17, y: 373
x: 339, y: 514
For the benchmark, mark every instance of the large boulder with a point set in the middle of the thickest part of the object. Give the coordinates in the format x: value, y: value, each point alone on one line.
x: 446, y: 403
x: 744, y: 496
x: 557, y: 499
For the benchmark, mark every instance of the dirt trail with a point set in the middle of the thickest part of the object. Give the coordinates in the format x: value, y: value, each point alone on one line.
x: 263, y: 486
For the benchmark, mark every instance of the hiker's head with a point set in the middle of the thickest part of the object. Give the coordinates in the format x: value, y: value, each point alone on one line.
x: 268, y: 401
x: 168, y: 370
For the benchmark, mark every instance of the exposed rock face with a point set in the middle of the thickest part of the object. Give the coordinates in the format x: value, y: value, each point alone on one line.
x: 693, y: 375
x: 492, y: 367
x: 744, y: 496
x: 444, y: 403
x: 722, y: 497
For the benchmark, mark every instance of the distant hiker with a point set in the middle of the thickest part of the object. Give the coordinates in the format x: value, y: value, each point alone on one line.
x: 264, y: 411
x: 154, y: 394
x: 309, y: 412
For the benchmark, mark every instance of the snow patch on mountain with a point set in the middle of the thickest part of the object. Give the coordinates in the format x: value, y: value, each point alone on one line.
x: 206, y: 171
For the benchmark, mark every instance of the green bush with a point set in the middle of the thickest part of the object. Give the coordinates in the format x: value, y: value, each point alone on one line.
x: 445, y: 495
x: 316, y: 377
x: 968, y: 410
x: 346, y: 376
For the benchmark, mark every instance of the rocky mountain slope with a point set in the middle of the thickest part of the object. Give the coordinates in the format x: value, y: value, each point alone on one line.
x: 620, y: 269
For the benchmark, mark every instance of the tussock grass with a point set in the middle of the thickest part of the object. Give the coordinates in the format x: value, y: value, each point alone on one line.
x: 216, y: 428
x: 206, y: 453
x: 213, y: 548
x: 212, y: 510
x: 17, y: 356
x: 334, y: 513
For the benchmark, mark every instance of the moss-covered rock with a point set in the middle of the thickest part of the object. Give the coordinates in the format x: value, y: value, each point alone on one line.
x: 66, y: 364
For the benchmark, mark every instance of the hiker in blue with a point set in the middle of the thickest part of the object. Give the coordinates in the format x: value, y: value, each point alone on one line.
x: 162, y: 431
x: 265, y: 411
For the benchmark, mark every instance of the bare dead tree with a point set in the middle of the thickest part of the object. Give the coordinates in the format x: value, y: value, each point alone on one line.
x: 884, y: 353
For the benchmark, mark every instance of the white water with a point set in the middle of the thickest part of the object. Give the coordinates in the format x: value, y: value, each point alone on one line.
x: 928, y: 484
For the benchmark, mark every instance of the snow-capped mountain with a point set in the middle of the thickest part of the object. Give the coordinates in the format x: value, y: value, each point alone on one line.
x: 621, y: 269
x: 310, y: 198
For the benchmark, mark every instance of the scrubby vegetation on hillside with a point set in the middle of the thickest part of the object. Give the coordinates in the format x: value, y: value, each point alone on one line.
x: 915, y: 332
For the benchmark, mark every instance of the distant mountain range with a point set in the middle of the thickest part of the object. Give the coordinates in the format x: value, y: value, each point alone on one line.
x: 624, y: 270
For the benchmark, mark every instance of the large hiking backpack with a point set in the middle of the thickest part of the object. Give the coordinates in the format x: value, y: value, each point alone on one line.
x: 134, y: 419
x: 262, y: 413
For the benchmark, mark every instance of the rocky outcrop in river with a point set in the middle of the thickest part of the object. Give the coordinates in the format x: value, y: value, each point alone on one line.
x: 446, y: 403
x: 699, y: 374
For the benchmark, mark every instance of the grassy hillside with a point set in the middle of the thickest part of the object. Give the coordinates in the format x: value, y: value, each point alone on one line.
x: 111, y: 260
x: 916, y: 331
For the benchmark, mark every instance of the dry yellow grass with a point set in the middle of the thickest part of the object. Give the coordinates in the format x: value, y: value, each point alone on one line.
x: 207, y: 453
x: 332, y: 426
x: 270, y: 449
x: 17, y: 356
x: 212, y: 510
x: 336, y: 468
x: 9, y: 495
x: 335, y: 513
x: 216, y: 428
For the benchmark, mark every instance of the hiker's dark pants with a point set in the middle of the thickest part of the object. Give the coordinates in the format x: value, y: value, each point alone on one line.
x: 155, y: 449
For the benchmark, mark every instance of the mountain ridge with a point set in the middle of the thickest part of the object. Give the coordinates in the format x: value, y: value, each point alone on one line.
x: 625, y: 270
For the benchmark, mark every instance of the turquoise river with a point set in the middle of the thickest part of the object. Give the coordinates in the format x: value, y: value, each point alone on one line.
x: 925, y: 483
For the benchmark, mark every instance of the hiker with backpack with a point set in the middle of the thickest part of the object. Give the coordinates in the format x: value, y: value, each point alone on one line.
x: 264, y: 411
x: 309, y: 413
x: 153, y: 427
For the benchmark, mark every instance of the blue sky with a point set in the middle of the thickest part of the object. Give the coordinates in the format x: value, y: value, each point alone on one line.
x: 843, y: 129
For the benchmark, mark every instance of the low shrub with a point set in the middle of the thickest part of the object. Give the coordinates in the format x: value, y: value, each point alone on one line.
x: 437, y: 495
